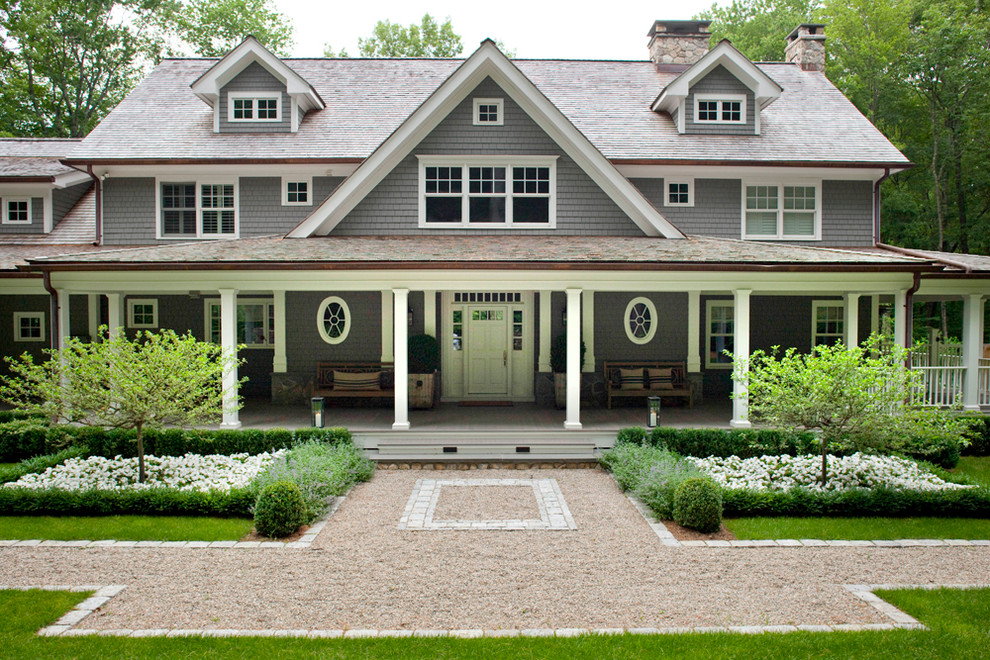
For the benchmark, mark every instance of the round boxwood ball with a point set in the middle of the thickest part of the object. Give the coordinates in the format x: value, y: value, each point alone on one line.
x: 698, y: 505
x: 280, y: 510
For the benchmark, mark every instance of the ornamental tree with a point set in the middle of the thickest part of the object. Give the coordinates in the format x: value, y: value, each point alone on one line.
x: 152, y: 381
x: 856, y: 395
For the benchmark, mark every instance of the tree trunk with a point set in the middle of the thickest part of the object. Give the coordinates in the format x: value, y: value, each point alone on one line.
x: 960, y: 191
x: 140, y: 448
x: 824, y: 460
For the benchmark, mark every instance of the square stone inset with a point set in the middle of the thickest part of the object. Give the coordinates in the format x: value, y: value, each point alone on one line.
x: 549, y: 502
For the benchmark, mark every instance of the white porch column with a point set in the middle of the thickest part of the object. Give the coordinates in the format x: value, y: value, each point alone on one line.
x: 572, y: 421
x: 900, y: 319
x: 228, y: 343
x: 93, y: 311
x: 544, y: 358
x: 401, y: 325
x: 280, y: 363
x: 874, y: 313
x: 115, y: 312
x: 430, y: 313
x: 64, y: 330
x: 972, y: 349
x: 388, y: 331
x: 851, y: 320
x: 588, y: 330
x: 694, y: 332
x: 740, y: 346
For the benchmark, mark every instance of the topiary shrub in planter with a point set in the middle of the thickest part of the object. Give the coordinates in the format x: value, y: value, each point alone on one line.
x: 280, y: 510
x: 698, y: 505
x: 424, y: 359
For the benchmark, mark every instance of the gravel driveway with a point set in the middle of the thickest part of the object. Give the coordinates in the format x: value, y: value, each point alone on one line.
x: 363, y: 572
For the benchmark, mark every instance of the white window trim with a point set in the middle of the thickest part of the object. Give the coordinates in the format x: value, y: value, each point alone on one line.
x: 740, y: 98
x: 507, y: 162
x: 254, y: 97
x: 286, y: 180
x: 348, y: 320
x: 654, y: 321
x: 160, y: 235
x: 210, y: 303
x: 6, y: 211
x: 818, y: 304
x: 708, y: 333
x: 499, y: 103
x: 780, y: 235
x: 17, y: 326
x: 131, y: 302
x: 666, y: 191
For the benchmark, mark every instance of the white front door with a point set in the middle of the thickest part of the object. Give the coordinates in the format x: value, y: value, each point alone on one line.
x: 488, y: 342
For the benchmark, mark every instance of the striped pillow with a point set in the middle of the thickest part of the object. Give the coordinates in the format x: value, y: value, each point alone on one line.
x: 368, y: 380
x: 630, y: 379
x: 660, y: 379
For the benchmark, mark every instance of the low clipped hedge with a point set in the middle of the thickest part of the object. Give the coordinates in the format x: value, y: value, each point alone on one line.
x: 40, y: 463
x: 875, y: 502
x: 698, y: 505
x: 236, y: 503
x: 979, y: 438
x: 280, y: 510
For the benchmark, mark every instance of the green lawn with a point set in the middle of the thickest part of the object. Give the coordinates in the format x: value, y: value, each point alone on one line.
x: 976, y: 468
x: 124, y: 528
x: 958, y: 621
x: 859, y: 528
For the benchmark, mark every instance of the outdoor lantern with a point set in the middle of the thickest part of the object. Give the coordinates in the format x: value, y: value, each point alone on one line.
x: 654, y: 405
x: 319, y: 406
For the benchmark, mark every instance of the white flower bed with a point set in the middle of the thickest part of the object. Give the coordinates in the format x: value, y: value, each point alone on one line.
x: 776, y: 473
x: 189, y: 472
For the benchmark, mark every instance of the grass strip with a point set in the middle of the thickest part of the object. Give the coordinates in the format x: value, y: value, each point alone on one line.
x: 124, y: 528
x: 866, y: 529
x: 958, y: 622
x: 976, y: 468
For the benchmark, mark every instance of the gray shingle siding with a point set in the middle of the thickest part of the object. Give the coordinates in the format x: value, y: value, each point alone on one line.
x: 303, y: 345
x: 393, y: 206
x: 255, y: 78
x: 261, y: 210
x: 612, y: 343
x: 847, y: 213
x: 129, y: 211
x: 720, y: 81
x: 11, y: 304
x: 63, y: 199
x: 37, y: 225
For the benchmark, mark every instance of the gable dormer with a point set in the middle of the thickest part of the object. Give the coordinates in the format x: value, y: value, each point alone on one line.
x: 251, y: 90
x: 720, y: 94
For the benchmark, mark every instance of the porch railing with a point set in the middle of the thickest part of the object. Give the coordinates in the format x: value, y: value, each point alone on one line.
x: 941, y: 386
x: 984, y: 382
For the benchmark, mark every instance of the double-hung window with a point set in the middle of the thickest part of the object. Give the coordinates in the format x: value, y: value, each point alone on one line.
x: 719, y: 333
x: 254, y: 107
x: 483, y: 192
x: 198, y: 210
x: 778, y: 211
x: 828, y: 324
x: 720, y: 109
x: 255, y: 322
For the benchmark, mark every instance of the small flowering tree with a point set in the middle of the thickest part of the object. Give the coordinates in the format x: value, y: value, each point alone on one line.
x: 153, y: 381
x: 859, y: 395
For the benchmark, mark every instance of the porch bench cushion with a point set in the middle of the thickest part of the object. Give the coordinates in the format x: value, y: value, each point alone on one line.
x: 354, y: 379
x: 663, y: 379
x: 367, y: 380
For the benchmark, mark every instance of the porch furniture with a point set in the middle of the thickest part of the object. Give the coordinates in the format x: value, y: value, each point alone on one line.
x: 645, y: 379
x: 355, y: 379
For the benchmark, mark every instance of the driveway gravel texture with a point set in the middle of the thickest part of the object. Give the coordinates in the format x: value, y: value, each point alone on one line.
x: 364, y: 573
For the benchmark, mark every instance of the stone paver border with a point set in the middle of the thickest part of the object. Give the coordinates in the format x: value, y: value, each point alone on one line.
x: 668, y: 539
x: 554, y: 514
x: 304, y: 541
x: 67, y: 625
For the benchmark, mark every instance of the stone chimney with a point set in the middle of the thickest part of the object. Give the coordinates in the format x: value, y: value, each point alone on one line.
x: 806, y: 47
x: 678, y: 43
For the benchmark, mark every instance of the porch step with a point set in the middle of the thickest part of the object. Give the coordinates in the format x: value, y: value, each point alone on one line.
x: 458, y: 446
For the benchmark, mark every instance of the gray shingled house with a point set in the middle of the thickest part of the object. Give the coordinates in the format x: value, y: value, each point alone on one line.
x: 321, y: 211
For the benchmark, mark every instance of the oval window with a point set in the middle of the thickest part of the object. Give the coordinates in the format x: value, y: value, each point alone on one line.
x: 333, y: 320
x: 641, y: 320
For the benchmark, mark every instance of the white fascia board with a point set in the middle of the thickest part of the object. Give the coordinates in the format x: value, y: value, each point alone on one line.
x: 71, y: 179
x: 487, y: 61
x: 225, y: 170
x: 772, y: 172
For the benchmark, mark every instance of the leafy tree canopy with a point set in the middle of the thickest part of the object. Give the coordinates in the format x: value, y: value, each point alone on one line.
x: 212, y: 27
x: 428, y: 39
x: 758, y: 27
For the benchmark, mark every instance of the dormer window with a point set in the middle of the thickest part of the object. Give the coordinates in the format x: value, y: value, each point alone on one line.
x: 488, y: 112
x: 679, y: 192
x: 254, y: 107
x: 17, y: 211
x: 728, y: 109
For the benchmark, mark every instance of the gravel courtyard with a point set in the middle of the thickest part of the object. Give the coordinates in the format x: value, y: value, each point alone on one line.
x: 362, y: 572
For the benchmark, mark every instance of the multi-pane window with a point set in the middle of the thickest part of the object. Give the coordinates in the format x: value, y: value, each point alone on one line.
x: 17, y: 211
x: 198, y: 210
x: 179, y: 208
x: 720, y: 110
x: 488, y: 112
x: 678, y: 193
x: 719, y: 333
x: 333, y: 320
x: 243, y: 109
x: 29, y: 326
x: 252, y: 107
x: 828, y: 322
x: 255, y: 323
x: 267, y: 109
x: 458, y: 329
x: 640, y: 320
x: 775, y: 211
x: 217, y: 208
x: 517, y: 329
x: 731, y: 111
x: 707, y: 110
x: 297, y: 192
x: 491, y: 194
x: 142, y: 313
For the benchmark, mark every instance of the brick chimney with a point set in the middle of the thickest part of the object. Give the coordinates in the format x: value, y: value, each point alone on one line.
x: 806, y: 47
x: 678, y: 43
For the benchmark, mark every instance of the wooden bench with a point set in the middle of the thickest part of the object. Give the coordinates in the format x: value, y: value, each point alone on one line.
x: 382, y: 386
x: 679, y: 386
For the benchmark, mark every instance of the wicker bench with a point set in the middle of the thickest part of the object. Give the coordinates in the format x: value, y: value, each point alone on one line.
x: 662, y: 379
x: 355, y: 379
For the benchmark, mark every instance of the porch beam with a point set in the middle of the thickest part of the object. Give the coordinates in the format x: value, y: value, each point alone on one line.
x: 694, y: 332
x: 544, y: 359
x: 972, y: 349
x: 740, y: 346
x: 401, y: 325
x: 280, y: 362
x: 228, y: 344
x: 588, y: 330
x: 388, y: 332
x: 851, y: 320
x: 900, y: 319
x: 572, y: 421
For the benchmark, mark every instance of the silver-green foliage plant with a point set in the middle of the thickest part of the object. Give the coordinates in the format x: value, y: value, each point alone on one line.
x: 651, y: 473
x: 853, y: 395
x: 154, y: 380
x: 320, y: 471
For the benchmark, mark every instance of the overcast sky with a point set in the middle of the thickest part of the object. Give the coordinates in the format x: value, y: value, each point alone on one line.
x: 613, y: 30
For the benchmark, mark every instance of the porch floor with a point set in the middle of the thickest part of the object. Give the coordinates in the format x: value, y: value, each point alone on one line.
x: 713, y: 413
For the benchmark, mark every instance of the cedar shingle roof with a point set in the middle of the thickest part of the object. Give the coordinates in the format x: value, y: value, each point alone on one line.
x: 367, y: 99
x: 34, y: 157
